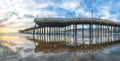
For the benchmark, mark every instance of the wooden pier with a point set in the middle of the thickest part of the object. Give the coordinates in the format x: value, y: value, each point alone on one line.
x: 97, y: 29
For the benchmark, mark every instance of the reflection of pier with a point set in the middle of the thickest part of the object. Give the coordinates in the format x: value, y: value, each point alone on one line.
x: 67, y: 45
x: 98, y: 29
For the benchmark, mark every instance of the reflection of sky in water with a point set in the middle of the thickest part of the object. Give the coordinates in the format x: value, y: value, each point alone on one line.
x: 18, y: 48
x: 107, y: 55
x: 14, y: 45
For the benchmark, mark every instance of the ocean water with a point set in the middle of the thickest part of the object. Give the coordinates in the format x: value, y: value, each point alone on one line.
x: 26, y: 47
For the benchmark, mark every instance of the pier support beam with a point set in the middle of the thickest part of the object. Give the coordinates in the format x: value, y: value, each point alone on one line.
x: 90, y: 33
x: 101, y: 32
x: 34, y: 30
x: 75, y: 34
x: 82, y: 32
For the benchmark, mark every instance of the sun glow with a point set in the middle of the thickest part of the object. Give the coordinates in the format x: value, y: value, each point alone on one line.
x: 8, y: 30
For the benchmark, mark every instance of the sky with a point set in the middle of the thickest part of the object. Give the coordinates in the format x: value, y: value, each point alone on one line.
x: 19, y: 14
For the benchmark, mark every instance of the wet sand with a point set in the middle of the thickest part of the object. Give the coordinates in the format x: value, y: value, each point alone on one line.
x: 22, y: 47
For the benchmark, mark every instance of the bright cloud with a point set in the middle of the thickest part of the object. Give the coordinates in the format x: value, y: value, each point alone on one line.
x: 19, y: 14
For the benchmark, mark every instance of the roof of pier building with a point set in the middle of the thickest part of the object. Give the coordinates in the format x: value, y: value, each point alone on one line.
x: 62, y: 22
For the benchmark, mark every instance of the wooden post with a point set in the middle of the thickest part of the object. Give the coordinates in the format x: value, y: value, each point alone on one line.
x: 34, y: 30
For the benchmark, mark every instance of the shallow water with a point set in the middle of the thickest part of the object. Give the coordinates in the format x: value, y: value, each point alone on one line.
x: 25, y: 47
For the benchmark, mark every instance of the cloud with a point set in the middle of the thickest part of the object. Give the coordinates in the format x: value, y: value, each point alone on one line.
x: 107, y: 10
x: 70, y: 5
x: 28, y: 16
x: 24, y: 11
